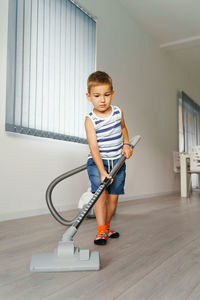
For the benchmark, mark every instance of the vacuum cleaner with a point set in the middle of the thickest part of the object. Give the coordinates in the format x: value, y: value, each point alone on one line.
x: 83, y: 201
x: 67, y: 257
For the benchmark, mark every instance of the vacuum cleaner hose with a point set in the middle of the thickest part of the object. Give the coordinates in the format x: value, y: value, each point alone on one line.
x: 49, y: 191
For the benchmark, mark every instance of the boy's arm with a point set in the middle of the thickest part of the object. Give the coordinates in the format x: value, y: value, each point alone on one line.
x: 127, y: 150
x: 92, y: 141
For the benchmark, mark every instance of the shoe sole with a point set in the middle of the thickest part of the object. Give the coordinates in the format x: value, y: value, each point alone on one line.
x: 100, y: 242
x: 114, y: 236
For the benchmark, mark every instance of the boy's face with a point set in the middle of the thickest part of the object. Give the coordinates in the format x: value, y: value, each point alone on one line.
x: 101, y: 97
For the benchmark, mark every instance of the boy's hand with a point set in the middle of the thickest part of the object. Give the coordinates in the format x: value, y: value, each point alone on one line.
x: 104, y: 175
x: 127, y: 151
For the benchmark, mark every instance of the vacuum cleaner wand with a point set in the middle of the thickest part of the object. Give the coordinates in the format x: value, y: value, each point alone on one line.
x: 67, y: 257
x: 91, y: 203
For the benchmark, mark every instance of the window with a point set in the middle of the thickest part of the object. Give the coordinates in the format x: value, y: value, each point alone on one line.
x: 189, y: 126
x: 51, y: 52
x: 189, y: 122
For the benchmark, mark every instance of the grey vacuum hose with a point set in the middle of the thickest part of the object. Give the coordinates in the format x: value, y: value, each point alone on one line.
x: 49, y: 191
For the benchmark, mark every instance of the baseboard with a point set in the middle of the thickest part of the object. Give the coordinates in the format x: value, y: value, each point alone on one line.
x: 32, y: 213
x: 44, y: 211
x: 126, y: 197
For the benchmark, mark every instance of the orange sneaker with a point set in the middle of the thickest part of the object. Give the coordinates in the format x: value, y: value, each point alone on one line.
x: 111, y: 233
x: 102, y: 235
x: 101, y: 238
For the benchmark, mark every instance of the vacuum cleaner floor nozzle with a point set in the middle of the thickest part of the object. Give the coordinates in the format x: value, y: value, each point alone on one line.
x: 81, y: 260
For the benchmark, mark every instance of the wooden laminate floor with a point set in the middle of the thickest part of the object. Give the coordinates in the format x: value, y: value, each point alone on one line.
x: 157, y: 256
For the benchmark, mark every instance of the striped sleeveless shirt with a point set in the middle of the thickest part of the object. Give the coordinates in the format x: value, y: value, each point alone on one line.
x: 108, y: 133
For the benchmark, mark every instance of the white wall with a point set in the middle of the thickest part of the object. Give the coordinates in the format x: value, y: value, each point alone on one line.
x: 146, y: 82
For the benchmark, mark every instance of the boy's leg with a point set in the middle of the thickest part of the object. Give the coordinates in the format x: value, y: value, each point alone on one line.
x: 100, y: 206
x: 111, y: 206
x: 100, y: 209
x: 115, y: 189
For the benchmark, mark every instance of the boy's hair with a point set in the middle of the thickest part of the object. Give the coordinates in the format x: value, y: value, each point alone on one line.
x: 98, y: 78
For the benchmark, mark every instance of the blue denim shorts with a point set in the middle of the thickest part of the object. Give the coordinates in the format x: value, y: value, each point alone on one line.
x: 117, y: 187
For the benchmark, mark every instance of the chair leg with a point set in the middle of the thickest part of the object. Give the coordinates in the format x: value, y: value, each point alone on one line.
x: 189, y: 185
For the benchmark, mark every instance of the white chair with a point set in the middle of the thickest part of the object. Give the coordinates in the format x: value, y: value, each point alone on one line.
x: 176, y: 162
x: 194, y: 163
x: 184, y: 173
x: 195, y: 159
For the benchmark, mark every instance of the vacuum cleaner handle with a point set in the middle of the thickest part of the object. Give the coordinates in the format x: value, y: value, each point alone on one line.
x: 117, y: 167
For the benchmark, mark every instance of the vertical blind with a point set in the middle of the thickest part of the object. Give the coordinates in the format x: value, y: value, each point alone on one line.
x: 51, y: 52
x: 189, y: 123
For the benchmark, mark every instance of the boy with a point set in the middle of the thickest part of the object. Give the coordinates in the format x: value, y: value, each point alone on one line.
x: 108, y: 139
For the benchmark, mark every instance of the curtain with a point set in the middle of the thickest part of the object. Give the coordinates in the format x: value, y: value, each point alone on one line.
x: 51, y: 52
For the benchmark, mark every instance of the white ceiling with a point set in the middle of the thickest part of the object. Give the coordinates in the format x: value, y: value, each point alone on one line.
x: 175, y: 25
